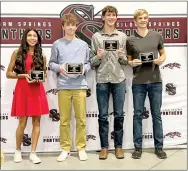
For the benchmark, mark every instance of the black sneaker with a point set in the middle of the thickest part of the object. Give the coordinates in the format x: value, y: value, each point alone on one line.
x: 160, y: 153
x: 137, y: 153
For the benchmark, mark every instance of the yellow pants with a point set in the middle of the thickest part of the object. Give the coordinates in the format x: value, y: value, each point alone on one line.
x: 2, y: 157
x: 65, y: 99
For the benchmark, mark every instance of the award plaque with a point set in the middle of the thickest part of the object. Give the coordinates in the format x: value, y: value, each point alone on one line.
x: 147, y: 57
x: 74, y: 68
x: 37, y: 75
x: 111, y: 45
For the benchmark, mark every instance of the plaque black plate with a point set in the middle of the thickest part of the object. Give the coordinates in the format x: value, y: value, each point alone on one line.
x: 147, y: 57
x: 74, y: 68
x: 37, y: 75
x: 111, y: 45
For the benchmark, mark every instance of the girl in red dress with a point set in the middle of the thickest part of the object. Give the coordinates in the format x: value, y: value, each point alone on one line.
x: 29, y: 96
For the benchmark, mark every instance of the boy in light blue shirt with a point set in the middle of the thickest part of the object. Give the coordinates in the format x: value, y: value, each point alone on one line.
x: 71, y: 87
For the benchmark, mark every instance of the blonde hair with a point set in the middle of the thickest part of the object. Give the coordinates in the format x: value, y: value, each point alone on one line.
x: 139, y: 12
x: 69, y: 19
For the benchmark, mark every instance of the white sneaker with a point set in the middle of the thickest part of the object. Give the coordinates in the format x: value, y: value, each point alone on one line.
x: 63, y: 156
x: 82, y: 155
x: 17, y: 156
x: 34, y: 159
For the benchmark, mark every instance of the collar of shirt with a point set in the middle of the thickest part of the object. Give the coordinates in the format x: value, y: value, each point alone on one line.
x: 115, y: 32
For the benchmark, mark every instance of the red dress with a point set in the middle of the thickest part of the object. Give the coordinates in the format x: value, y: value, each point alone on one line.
x: 29, y: 98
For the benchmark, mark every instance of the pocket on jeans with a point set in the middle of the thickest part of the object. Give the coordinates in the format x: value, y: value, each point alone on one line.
x: 158, y: 86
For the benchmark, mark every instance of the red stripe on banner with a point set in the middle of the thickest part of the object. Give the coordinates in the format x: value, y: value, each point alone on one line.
x: 173, y: 29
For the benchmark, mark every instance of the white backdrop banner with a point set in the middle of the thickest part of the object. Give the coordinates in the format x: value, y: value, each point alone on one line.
x: 170, y: 22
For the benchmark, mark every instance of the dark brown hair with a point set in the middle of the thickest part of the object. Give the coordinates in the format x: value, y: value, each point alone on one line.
x: 23, y: 50
x: 109, y: 9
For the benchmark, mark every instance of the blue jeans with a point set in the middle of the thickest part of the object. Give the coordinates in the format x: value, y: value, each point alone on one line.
x: 154, y: 91
x: 118, y: 94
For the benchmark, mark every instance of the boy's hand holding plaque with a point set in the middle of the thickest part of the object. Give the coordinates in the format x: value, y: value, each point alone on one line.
x: 147, y: 57
x: 111, y: 45
x: 74, y: 68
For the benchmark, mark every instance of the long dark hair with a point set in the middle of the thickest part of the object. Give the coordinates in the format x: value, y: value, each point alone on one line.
x: 22, y: 53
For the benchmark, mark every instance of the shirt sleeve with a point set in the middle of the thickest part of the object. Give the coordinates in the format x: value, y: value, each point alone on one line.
x: 161, y: 43
x: 95, y: 60
x: 87, y: 65
x: 129, y: 48
x: 123, y: 60
x: 53, y: 62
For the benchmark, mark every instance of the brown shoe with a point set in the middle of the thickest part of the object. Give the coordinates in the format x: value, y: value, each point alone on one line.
x: 103, y: 155
x: 119, y: 153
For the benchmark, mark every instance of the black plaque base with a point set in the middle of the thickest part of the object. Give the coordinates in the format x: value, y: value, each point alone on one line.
x: 37, y: 75
x: 147, y: 57
x: 74, y: 68
x: 111, y: 45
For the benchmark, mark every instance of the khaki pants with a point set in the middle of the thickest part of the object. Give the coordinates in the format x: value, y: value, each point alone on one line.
x: 65, y: 99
